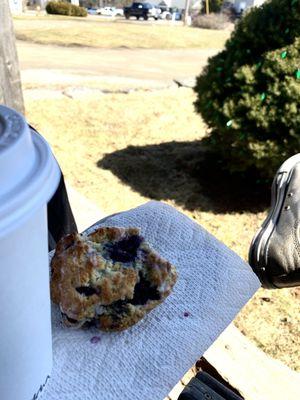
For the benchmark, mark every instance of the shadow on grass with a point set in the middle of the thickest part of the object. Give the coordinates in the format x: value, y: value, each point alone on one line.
x: 186, y: 173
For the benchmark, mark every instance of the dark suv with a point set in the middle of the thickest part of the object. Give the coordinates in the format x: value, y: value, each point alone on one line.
x: 141, y: 10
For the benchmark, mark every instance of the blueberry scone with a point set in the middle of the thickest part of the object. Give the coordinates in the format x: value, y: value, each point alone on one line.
x: 109, y: 279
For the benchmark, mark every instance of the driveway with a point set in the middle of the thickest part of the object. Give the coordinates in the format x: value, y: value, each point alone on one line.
x: 158, y: 66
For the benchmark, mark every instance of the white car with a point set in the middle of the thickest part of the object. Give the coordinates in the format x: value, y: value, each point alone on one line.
x: 110, y: 11
x: 166, y: 15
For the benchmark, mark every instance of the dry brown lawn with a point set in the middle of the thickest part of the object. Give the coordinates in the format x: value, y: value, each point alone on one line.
x: 121, y: 150
x: 68, y: 31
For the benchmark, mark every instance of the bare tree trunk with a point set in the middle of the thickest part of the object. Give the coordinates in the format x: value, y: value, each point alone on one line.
x: 207, y: 6
x: 186, y: 12
x: 10, y: 82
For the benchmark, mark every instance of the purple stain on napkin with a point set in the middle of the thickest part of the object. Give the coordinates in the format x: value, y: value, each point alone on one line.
x: 95, y: 339
x: 186, y: 314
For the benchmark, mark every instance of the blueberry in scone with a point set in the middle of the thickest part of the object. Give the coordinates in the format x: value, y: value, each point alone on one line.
x: 109, y: 279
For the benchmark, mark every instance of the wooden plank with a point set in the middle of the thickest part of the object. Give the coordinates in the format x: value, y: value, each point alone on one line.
x: 10, y: 82
x: 178, y: 388
x: 175, y: 392
x: 188, y: 376
x: 86, y: 213
x: 248, y: 369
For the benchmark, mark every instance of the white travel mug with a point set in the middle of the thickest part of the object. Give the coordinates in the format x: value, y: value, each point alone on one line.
x: 29, y: 176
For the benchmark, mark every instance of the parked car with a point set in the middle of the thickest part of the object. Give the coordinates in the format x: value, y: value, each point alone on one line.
x: 110, y: 11
x: 92, y: 11
x: 170, y: 14
x: 178, y: 15
x: 142, y: 10
x: 166, y: 15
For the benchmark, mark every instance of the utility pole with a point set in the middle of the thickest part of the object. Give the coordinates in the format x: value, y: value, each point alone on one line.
x: 10, y: 82
x: 186, y: 12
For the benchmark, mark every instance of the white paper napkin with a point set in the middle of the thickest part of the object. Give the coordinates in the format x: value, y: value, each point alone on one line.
x: 145, y: 362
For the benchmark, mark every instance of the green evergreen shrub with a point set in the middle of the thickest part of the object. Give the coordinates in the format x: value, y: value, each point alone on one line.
x: 78, y: 11
x: 58, y: 7
x: 64, y: 8
x: 249, y: 94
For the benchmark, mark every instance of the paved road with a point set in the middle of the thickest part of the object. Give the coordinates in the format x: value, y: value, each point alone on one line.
x: 157, y: 65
